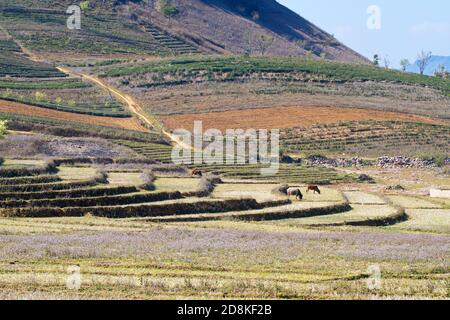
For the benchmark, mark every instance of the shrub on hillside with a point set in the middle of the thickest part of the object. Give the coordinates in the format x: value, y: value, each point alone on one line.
x: 281, y: 189
x: 101, y: 177
x: 148, y: 179
x: 437, y: 156
x: 3, y: 128
x: 164, y: 7
x: 206, y: 186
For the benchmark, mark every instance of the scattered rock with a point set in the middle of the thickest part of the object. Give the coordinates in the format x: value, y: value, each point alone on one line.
x: 395, y: 188
x: 365, y: 178
x: 404, y: 162
x: 340, y: 162
x: 289, y: 159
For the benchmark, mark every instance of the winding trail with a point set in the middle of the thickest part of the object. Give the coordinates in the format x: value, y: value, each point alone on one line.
x: 132, y: 104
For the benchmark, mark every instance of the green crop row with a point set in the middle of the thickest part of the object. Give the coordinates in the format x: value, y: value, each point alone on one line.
x: 383, y: 136
x: 40, y: 187
x: 88, y: 109
x: 8, y: 45
x: 69, y: 83
x: 101, y: 33
x: 65, y: 128
x: 150, y: 210
x: 29, y: 180
x: 109, y: 200
x: 237, y: 66
x: 15, y: 65
x: 68, y: 193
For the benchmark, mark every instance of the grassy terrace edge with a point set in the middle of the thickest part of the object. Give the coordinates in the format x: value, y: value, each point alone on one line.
x: 237, y: 66
x: 68, y: 128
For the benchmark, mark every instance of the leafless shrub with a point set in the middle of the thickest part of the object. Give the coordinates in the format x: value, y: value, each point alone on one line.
x: 281, y: 189
x: 148, y: 179
x: 101, y: 177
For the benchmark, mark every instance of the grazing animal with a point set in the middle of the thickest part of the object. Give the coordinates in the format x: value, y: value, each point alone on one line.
x: 295, y: 192
x: 313, y: 189
x: 197, y: 173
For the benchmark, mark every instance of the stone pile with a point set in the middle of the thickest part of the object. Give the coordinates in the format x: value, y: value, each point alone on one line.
x: 404, y: 162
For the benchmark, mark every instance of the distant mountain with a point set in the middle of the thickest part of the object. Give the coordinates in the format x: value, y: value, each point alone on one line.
x: 434, y: 63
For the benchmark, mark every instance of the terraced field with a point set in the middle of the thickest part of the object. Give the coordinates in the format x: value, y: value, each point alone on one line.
x: 13, y: 63
x: 44, y: 30
x: 111, y: 204
x: 183, y: 87
x: 41, y: 85
x: 286, y: 173
x: 81, y: 126
x: 288, y: 118
x: 234, y: 67
x: 371, y: 138
x: 303, y: 239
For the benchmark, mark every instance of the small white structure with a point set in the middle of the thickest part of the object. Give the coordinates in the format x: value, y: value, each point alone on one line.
x: 439, y: 193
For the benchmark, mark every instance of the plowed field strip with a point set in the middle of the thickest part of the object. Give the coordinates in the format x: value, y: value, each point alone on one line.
x: 122, y: 123
x: 286, y: 117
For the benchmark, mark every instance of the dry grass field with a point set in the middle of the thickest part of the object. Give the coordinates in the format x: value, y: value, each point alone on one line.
x: 214, y: 255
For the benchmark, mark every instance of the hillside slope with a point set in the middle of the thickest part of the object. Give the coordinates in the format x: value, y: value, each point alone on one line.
x: 237, y: 26
x: 195, y: 26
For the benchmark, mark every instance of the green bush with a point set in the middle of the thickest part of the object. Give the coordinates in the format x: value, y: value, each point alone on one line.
x: 166, y: 8
x: 237, y: 66
x: 3, y: 129
x: 437, y: 156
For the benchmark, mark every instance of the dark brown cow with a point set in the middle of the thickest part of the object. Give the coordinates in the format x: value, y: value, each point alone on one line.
x: 313, y: 188
x: 295, y: 192
x: 197, y: 173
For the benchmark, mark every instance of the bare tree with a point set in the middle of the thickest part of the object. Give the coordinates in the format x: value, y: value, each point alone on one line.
x: 441, y: 72
x: 423, y: 60
x: 248, y: 38
x: 404, y: 63
x: 263, y: 43
x: 386, y: 62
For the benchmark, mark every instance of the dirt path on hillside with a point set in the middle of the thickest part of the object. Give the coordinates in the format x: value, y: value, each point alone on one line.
x: 122, y: 123
x: 132, y: 104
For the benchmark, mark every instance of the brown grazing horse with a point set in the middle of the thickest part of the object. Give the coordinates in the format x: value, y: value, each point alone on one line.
x: 313, y: 188
x: 197, y: 173
x: 295, y: 192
